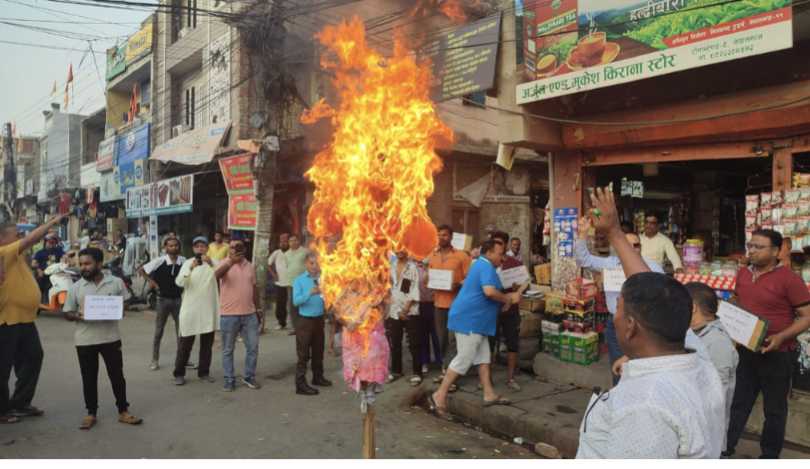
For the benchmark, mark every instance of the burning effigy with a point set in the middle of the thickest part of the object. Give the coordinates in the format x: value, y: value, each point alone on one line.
x: 371, y: 186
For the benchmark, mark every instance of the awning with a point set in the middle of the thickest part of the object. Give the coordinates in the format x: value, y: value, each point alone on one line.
x: 195, y: 147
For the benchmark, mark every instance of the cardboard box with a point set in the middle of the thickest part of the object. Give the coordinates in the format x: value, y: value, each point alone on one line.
x: 573, y: 304
x: 542, y: 274
x: 551, y: 344
x: 555, y: 303
x: 600, y: 327
x: 554, y: 317
x: 535, y: 305
x: 601, y: 318
x: 579, y: 316
x: 582, y: 349
x: 580, y: 288
x: 578, y: 327
x: 530, y: 324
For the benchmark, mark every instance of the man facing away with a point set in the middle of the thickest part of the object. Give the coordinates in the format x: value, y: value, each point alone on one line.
x: 20, y: 347
x: 711, y: 332
x: 309, y: 335
x: 199, y: 312
x: 97, y: 337
x: 473, y: 317
x: 655, y: 246
x: 241, y: 312
x: 294, y: 258
x: 277, y: 265
x: 162, y: 272
x: 219, y: 250
x: 586, y: 260
x: 669, y: 403
x: 447, y: 258
x: 771, y: 290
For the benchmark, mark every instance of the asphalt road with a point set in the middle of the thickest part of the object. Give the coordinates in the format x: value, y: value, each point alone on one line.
x: 200, y: 420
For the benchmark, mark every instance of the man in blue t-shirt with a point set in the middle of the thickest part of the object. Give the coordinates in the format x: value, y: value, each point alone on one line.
x: 51, y: 254
x: 473, y: 317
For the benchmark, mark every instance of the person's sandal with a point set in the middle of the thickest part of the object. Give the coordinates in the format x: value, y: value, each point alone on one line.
x: 391, y: 378
x: 88, y: 422
x: 513, y: 386
x: 500, y: 400
x: 441, y: 412
x: 415, y: 381
x: 9, y: 418
x: 27, y: 411
x: 127, y: 417
x: 425, y: 369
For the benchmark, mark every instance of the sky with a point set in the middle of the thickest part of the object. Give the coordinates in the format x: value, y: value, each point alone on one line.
x: 26, y: 91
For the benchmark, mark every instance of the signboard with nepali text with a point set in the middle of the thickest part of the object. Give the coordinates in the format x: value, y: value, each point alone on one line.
x: 195, y: 147
x: 570, y: 46
x: 242, y: 210
x: 161, y: 198
x: 106, y: 152
x: 464, y: 60
x: 236, y: 171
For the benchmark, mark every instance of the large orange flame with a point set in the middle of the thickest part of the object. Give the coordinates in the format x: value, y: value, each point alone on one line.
x: 373, y: 179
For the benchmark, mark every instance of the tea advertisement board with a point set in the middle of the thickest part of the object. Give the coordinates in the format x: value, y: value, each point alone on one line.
x: 570, y: 46
x: 238, y: 174
x: 242, y: 211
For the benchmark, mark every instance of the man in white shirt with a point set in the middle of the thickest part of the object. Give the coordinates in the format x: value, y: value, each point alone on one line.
x: 655, y: 246
x: 514, y: 249
x: 277, y: 265
x: 670, y: 402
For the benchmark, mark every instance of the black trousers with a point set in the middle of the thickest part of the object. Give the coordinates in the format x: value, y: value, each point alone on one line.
x: 184, y: 347
x: 114, y: 361
x: 281, y: 306
x: 20, y: 350
x: 309, y: 343
x: 395, y: 330
x: 770, y: 373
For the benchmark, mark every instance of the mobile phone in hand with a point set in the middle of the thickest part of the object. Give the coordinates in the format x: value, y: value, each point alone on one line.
x: 239, y: 248
x: 198, y: 257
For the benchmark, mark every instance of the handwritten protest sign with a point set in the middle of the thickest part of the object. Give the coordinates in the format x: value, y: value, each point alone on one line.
x: 613, y: 278
x: 103, y: 308
x: 744, y: 327
x: 519, y: 275
x: 440, y: 279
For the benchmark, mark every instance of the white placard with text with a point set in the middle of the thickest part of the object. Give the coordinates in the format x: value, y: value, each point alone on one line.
x: 103, y: 308
x: 440, y: 279
x: 613, y: 279
x: 519, y: 275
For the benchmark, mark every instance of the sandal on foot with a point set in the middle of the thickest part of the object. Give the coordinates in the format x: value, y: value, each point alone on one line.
x: 513, y: 386
x: 425, y: 369
x: 500, y: 400
x: 26, y: 411
x: 441, y: 412
x: 452, y: 388
x: 127, y: 417
x: 415, y: 381
x: 88, y: 422
x: 291, y: 332
x: 9, y: 418
x: 391, y: 378
x: 438, y: 379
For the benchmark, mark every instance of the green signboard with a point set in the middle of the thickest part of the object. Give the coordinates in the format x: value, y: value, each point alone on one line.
x: 116, y: 63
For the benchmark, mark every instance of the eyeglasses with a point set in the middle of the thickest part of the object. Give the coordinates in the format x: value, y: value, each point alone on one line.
x: 757, y: 247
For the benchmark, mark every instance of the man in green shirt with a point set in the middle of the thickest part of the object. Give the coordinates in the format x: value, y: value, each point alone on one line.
x: 295, y: 257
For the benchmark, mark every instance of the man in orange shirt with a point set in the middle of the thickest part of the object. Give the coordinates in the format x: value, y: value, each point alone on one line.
x: 447, y: 258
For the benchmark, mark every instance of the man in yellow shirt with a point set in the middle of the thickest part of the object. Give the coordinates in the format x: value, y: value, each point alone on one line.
x: 219, y: 250
x: 20, y: 347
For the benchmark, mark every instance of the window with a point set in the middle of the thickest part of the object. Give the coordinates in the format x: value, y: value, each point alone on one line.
x: 191, y: 13
x: 476, y: 100
x: 190, y: 107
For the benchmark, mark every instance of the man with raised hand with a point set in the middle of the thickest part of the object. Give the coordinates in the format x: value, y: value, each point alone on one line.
x: 669, y: 403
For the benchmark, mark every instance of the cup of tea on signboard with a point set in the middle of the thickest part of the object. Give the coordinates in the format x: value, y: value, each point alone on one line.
x: 546, y: 64
x: 592, y: 48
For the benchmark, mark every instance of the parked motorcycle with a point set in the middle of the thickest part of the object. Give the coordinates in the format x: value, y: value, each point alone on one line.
x: 61, y: 278
x: 114, y: 267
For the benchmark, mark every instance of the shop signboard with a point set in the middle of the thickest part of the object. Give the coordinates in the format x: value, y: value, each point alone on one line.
x: 110, y: 191
x: 464, y: 60
x: 566, y: 222
x: 195, y: 147
x: 236, y: 171
x: 134, y: 145
x: 139, y: 44
x: 129, y: 175
x: 161, y: 198
x: 577, y: 45
x: 116, y: 63
x: 242, y: 211
x: 106, y: 155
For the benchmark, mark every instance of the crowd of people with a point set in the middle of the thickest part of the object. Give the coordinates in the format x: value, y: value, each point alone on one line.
x: 680, y: 386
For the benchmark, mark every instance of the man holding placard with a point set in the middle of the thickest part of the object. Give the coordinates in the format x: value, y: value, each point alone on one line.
x: 600, y: 265
x: 448, y: 268
x: 773, y: 292
x: 96, y: 303
x: 509, y: 320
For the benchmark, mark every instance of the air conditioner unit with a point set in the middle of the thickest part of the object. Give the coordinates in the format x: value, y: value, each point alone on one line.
x: 178, y: 130
x: 182, y: 33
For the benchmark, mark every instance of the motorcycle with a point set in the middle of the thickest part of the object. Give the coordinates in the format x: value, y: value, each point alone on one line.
x: 61, y: 278
x: 115, y: 270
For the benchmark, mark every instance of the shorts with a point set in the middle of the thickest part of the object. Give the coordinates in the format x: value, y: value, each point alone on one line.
x: 510, y: 325
x: 473, y: 349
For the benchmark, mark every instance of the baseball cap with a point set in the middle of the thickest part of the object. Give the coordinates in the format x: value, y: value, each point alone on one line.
x: 200, y: 239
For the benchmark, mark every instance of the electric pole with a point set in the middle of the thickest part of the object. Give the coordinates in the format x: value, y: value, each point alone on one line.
x: 8, y: 167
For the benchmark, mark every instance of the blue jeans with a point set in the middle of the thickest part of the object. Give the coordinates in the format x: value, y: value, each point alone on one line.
x: 230, y: 326
x: 614, y: 352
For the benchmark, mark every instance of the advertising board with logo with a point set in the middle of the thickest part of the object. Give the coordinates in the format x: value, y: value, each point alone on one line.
x: 195, y: 147
x: 134, y: 145
x: 140, y: 43
x: 116, y: 63
x: 161, y: 198
x: 242, y: 211
x: 129, y: 175
x: 237, y: 173
x: 578, y: 45
x: 106, y: 155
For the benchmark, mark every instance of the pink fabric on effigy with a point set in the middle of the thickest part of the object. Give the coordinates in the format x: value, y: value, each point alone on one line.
x: 373, y: 367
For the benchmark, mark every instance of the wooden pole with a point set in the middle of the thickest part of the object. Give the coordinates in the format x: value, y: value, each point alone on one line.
x: 369, y: 449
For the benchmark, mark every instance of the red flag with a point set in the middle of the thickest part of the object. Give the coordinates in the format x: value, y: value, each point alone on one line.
x: 20, y: 145
x: 70, y: 76
x: 13, y: 129
x: 53, y: 91
x: 133, y: 104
